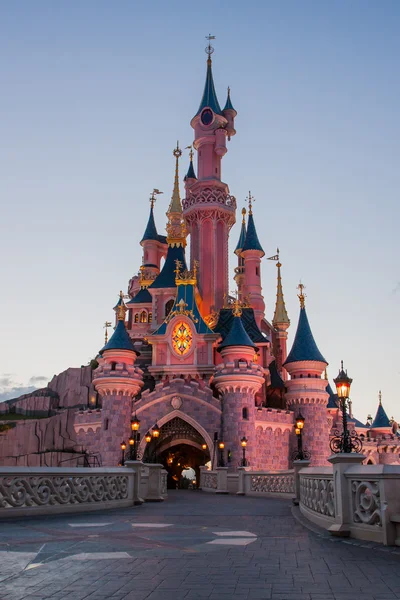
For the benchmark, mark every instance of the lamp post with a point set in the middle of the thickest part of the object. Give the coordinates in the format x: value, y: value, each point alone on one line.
x: 221, y: 447
x: 135, y: 424
x: 345, y: 441
x: 243, y: 443
x: 123, y: 448
x: 300, y: 454
x: 156, y: 435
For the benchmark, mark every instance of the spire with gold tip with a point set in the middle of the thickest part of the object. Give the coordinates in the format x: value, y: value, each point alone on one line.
x: 176, y: 229
x: 120, y: 339
x: 280, y: 315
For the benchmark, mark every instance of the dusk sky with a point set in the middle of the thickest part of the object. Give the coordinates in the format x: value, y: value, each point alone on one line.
x: 94, y: 96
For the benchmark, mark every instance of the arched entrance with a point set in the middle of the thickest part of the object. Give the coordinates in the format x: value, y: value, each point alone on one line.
x: 179, y: 447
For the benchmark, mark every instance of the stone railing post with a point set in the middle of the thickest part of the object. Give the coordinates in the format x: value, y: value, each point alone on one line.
x: 222, y: 480
x: 136, y: 466
x: 203, y: 469
x: 343, y: 517
x: 154, y: 491
x: 297, y: 466
x: 241, y: 483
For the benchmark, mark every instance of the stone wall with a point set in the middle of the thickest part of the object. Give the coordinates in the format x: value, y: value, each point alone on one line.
x: 73, y: 386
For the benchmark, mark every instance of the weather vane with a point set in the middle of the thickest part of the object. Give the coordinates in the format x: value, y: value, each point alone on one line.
x: 153, y: 195
x: 106, y: 325
x: 250, y: 199
x: 301, y: 296
x: 190, y: 152
x: 209, y: 50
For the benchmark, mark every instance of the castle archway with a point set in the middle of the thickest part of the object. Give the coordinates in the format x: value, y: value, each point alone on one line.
x: 179, y: 447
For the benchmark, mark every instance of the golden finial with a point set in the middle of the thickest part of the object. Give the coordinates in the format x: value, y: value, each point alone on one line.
x: 190, y: 148
x: 178, y: 266
x: 177, y: 152
x: 121, y: 308
x: 250, y: 199
x: 121, y: 294
x: 153, y: 195
x: 380, y: 398
x: 209, y: 48
x: 237, y: 309
x: 106, y: 325
x: 301, y: 296
x: 243, y: 216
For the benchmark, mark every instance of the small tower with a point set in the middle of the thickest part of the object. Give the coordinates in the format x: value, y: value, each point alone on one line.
x: 252, y: 254
x: 238, y: 379
x: 281, y: 324
x: 229, y: 113
x: 307, y: 388
x: 239, y: 270
x: 154, y: 245
x: 208, y: 208
x: 118, y: 381
x: 381, y: 424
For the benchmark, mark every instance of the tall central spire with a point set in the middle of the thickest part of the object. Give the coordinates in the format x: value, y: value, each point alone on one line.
x: 176, y: 229
x: 280, y: 315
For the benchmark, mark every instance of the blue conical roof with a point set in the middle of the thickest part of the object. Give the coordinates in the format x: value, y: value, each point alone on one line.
x: 252, y: 242
x: 381, y: 418
x: 242, y: 238
x: 120, y: 339
x: 142, y: 296
x: 151, y: 230
x: 304, y: 346
x: 228, y: 104
x: 333, y: 399
x: 190, y: 174
x: 209, y: 98
x: 166, y: 278
x: 237, y: 336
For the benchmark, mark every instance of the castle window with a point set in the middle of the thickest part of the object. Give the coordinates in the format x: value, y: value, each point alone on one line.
x: 168, y: 306
x: 137, y: 318
x: 113, y: 365
x: 143, y: 316
x: 301, y: 375
x: 245, y: 413
x: 257, y: 272
x: 105, y: 424
x: 309, y: 375
x: 150, y: 317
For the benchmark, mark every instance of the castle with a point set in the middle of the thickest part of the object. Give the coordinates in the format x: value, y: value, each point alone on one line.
x: 187, y: 361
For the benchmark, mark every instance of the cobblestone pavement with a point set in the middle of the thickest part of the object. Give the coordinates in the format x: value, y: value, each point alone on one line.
x: 193, y: 546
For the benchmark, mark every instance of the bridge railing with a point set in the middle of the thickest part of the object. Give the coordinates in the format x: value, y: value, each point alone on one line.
x: 50, y: 490
x: 250, y: 483
x: 351, y: 499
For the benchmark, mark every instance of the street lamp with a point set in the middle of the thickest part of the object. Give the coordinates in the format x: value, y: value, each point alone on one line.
x: 131, y: 447
x: 156, y: 435
x: 300, y: 454
x: 204, y: 446
x: 345, y: 441
x: 243, y: 443
x: 123, y: 448
x: 135, y: 424
x: 221, y: 447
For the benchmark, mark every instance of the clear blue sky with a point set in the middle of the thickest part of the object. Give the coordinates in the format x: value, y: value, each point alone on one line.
x: 94, y: 96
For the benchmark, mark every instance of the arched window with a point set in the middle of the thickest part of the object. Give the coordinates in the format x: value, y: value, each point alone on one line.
x: 168, y: 306
x: 257, y: 271
x: 136, y: 317
x: 143, y: 316
x: 245, y: 413
x: 150, y: 317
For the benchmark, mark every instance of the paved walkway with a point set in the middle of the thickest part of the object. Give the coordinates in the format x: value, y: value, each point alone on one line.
x: 194, y: 546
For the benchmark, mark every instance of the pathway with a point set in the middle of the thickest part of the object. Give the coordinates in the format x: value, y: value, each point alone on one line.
x: 193, y: 546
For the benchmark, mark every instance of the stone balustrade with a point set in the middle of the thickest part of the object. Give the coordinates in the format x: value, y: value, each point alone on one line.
x: 50, y: 490
x: 350, y: 499
x: 250, y: 483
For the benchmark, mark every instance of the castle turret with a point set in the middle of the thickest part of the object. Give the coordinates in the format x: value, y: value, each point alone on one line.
x: 229, y: 113
x: 307, y: 388
x: 252, y: 253
x: 381, y: 424
x: 154, y: 245
x: 238, y: 379
x: 281, y: 324
x: 118, y: 381
x: 208, y: 208
x: 239, y: 270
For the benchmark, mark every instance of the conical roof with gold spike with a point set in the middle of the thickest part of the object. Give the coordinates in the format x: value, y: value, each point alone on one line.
x: 280, y: 314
